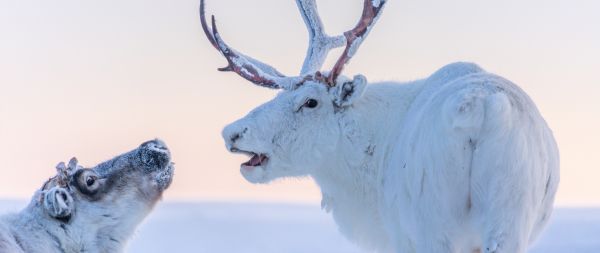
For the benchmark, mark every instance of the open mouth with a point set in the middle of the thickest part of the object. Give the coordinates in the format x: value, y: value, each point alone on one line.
x: 256, y: 160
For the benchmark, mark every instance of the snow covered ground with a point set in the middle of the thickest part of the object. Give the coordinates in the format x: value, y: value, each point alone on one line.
x: 275, y: 228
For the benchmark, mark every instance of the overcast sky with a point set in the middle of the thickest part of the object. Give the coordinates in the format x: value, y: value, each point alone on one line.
x: 93, y: 79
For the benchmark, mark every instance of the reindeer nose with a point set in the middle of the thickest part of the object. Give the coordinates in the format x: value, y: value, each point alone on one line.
x: 154, y: 154
x: 235, y: 137
x: 232, y: 134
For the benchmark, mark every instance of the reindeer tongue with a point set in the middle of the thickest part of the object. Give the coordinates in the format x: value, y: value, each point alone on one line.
x: 256, y: 160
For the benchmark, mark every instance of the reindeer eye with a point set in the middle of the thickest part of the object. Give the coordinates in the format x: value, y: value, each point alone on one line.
x: 311, y: 103
x: 90, y: 180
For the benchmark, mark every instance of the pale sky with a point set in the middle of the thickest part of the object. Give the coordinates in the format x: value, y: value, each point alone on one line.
x: 94, y: 79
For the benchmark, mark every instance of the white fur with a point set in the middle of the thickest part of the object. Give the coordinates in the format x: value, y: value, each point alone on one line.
x: 62, y: 219
x: 459, y: 162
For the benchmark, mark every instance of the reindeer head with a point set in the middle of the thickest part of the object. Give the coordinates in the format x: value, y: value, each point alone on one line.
x: 297, y: 131
x: 110, y: 199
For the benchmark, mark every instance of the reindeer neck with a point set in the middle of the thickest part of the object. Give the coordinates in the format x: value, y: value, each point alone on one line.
x: 349, y: 181
x: 38, y: 233
x: 368, y: 128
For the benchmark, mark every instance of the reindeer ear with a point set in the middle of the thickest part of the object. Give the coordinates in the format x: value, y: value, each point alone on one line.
x: 58, y: 203
x: 346, y: 92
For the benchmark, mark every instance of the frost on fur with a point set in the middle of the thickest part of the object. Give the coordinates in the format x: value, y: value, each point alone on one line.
x: 90, y: 209
x: 319, y: 45
x: 438, y: 165
x: 461, y: 161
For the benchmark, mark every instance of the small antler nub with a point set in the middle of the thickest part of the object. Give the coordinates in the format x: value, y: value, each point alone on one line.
x: 65, y: 171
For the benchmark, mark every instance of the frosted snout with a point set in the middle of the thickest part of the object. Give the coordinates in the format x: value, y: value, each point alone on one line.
x: 233, y: 133
x: 154, y: 155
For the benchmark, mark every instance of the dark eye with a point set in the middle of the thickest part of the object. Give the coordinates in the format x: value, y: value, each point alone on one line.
x: 311, y: 103
x: 90, y: 180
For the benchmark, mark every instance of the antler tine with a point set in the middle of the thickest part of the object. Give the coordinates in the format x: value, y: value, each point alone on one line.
x: 62, y: 173
x: 207, y: 31
x: 251, y: 69
x: 319, y: 42
x: 371, y: 12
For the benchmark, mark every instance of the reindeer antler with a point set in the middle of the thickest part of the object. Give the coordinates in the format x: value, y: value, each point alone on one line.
x: 319, y: 46
x: 319, y: 43
x: 65, y: 171
x: 356, y: 36
x: 251, y: 69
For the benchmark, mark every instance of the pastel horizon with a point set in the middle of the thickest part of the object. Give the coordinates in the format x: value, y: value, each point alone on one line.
x: 93, y: 80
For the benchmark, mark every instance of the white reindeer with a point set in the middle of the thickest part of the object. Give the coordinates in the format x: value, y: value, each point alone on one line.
x: 461, y: 161
x: 90, y: 210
